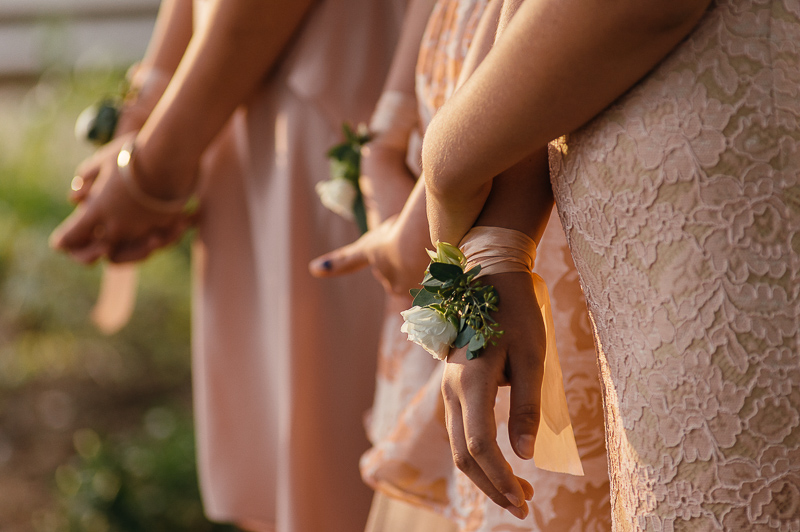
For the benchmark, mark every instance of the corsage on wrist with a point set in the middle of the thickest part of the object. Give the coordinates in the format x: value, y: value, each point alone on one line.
x: 97, y: 123
x: 452, y: 309
x: 394, y: 118
x: 341, y: 193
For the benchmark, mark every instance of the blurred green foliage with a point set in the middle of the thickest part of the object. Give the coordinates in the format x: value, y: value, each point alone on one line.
x: 140, y: 483
x: 47, y: 340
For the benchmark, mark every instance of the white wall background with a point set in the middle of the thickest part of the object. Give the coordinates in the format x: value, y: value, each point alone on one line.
x: 38, y: 34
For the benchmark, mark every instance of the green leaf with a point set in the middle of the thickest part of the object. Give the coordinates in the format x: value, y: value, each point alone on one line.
x: 445, y: 272
x: 433, y: 287
x: 338, y: 151
x: 477, y: 342
x: 414, y: 291
x: 474, y: 271
x: 425, y: 298
x: 464, y: 337
x: 360, y: 214
x: 472, y: 355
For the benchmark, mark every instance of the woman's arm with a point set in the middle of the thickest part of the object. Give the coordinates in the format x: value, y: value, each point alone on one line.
x: 386, y: 180
x: 223, y: 64
x: 558, y: 64
x: 149, y: 78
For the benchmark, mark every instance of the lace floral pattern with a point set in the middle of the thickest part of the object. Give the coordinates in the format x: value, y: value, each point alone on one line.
x: 681, y: 204
x: 411, y: 458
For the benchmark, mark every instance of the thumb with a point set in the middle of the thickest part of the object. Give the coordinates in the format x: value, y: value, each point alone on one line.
x: 525, y: 411
x: 344, y: 260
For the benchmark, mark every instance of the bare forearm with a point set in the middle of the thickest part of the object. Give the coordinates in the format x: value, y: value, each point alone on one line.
x: 171, y: 36
x: 223, y: 64
x: 404, y: 61
x: 557, y: 65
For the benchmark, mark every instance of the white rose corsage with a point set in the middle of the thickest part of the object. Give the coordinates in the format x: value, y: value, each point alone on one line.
x: 341, y: 193
x: 97, y: 123
x: 452, y: 309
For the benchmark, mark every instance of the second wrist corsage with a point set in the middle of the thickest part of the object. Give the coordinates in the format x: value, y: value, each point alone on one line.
x: 452, y: 309
x: 341, y: 192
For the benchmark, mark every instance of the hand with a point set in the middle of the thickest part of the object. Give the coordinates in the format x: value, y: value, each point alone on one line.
x: 469, y: 388
x: 398, y: 267
x: 87, y: 171
x: 109, y: 222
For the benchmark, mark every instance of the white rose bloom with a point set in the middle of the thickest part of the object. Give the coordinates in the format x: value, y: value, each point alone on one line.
x: 430, y: 329
x: 338, y: 195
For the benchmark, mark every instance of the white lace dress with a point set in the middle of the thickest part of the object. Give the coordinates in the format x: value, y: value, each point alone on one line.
x: 681, y: 205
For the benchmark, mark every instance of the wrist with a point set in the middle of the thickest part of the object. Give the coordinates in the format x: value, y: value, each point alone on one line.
x: 162, y: 174
x: 393, y: 120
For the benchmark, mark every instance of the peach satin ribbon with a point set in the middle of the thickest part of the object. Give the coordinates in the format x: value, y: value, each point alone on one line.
x: 501, y: 250
x: 116, y: 299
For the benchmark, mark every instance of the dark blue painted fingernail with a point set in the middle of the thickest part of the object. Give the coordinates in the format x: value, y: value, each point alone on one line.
x: 327, y: 264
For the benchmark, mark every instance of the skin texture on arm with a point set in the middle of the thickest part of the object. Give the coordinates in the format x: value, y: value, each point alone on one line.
x: 557, y: 65
x: 396, y: 248
x: 385, y: 179
x: 171, y: 35
x: 224, y: 63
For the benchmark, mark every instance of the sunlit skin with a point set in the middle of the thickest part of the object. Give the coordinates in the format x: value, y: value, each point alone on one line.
x: 556, y: 66
x: 216, y: 69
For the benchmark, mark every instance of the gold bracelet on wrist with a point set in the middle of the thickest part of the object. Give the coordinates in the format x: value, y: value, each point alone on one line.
x: 149, y: 202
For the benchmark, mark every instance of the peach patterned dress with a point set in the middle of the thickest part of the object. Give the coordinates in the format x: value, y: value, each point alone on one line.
x: 283, y: 363
x: 681, y: 204
x: 410, y: 459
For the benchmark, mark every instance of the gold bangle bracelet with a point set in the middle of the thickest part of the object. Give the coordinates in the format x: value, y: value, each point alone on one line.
x: 124, y: 165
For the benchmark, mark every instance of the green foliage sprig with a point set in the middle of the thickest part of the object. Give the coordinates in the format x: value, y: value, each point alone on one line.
x: 464, y: 301
x: 345, y: 163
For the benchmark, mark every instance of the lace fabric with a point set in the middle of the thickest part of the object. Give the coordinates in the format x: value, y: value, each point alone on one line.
x: 681, y: 207
x: 411, y: 458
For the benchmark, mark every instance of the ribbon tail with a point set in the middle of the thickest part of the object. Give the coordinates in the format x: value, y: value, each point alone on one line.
x: 555, y: 448
x: 116, y: 299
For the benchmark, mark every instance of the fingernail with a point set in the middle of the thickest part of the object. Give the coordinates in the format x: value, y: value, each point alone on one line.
x: 77, y: 183
x: 519, y: 513
x: 326, y: 264
x: 525, y: 446
x: 513, y: 499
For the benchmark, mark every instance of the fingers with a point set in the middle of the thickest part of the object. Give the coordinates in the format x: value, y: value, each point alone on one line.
x: 466, y: 463
x: 526, y: 375
x: 344, y: 260
x: 82, y: 183
x: 142, y: 248
x: 469, y: 407
x: 77, y: 231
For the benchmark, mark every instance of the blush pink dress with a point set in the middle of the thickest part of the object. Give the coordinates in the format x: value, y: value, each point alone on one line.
x: 681, y: 205
x: 410, y: 459
x: 284, y: 363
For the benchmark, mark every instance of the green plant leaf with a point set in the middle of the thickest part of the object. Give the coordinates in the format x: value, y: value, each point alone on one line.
x: 464, y: 337
x: 474, y: 271
x: 445, y: 272
x: 360, y: 214
x: 476, y: 342
x: 425, y: 298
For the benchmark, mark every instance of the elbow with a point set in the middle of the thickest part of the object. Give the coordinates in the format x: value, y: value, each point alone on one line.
x: 443, y: 179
